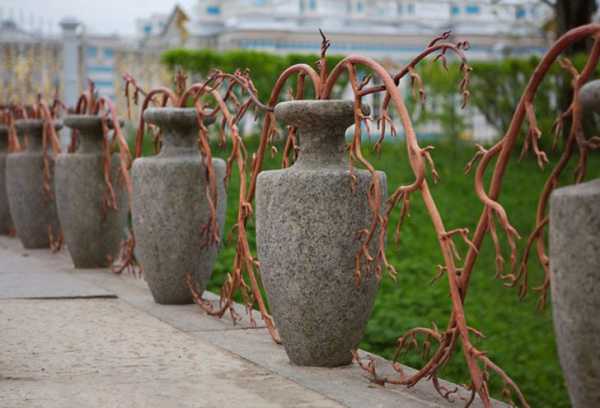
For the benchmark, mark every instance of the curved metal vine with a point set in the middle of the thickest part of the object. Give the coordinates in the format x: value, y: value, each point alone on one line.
x: 575, y: 140
x: 457, y: 332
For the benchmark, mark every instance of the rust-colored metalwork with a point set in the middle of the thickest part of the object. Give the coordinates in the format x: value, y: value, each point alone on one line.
x: 323, y: 83
x: 458, y: 331
x: 439, y: 345
x: 419, y: 158
x: 576, y: 140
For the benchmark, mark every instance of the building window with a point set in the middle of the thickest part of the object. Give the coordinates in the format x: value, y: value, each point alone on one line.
x: 399, y: 8
x: 147, y: 29
x: 520, y: 12
x: 260, y: 2
x: 213, y: 10
x: 454, y: 10
x: 360, y: 6
x: 104, y: 84
x: 312, y: 4
x: 472, y: 9
x: 100, y: 69
x: 410, y: 8
x: 91, y: 52
x: 108, y: 53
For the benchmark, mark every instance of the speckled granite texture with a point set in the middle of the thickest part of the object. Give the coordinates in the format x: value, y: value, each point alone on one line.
x: 6, y: 223
x: 93, y: 233
x: 590, y: 96
x: 575, y: 274
x: 31, y: 209
x: 170, y: 208
x: 307, y: 217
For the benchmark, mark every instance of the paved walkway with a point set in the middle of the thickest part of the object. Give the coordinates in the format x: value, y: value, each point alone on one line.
x: 75, y: 338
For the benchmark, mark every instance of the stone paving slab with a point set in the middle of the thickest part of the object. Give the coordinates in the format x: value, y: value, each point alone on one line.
x: 119, y: 374
x: 105, y: 353
x: 133, y: 290
x: 348, y: 385
x: 25, y: 276
x: 184, y: 317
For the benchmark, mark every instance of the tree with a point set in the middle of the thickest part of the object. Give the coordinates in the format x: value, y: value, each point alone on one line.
x: 570, y: 14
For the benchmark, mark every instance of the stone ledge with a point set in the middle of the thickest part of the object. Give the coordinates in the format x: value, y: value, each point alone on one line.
x: 347, y: 385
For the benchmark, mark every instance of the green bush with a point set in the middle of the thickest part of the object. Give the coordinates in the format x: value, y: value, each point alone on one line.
x: 496, y: 87
x: 264, y: 67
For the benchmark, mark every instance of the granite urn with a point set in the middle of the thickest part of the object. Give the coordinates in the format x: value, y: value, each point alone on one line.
x: 307, y: 219
x: 170, y: 208
x: 93, y: 232
x: 33, y: 210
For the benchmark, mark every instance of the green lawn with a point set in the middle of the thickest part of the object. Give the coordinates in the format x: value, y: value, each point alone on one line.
x: 518, y: 337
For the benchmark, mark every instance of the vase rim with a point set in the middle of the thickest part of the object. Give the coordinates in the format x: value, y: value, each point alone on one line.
x: 33, y: 125
x: 589, y: 188
x: 174, y: 117
x: 86, y: 121
x: 330, y: 111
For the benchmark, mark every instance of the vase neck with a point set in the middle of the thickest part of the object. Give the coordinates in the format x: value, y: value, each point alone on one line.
x: 321, y: 126
x: 90, y: 142
x: 32, y: 131
x: 89, y: 132
x: 176, y: 141
x: 32, y: 134
x: 322, y: 146
x: 34, y: 142
x: 179, y: 127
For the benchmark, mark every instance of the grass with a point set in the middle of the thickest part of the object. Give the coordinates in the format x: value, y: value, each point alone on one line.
x: 519, y: 338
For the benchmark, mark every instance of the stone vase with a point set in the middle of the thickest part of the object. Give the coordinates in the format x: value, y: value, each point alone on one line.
x: 307, y: 218
x: 575, y: 282
x: 170, y: 208
x: 93, y: 233
x: 6, y: 224
x: 33, y: 212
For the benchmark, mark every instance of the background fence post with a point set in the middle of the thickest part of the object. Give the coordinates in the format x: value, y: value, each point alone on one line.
x: 70, y: 54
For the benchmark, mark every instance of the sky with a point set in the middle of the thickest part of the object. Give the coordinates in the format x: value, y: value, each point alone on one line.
x: 99, y: 16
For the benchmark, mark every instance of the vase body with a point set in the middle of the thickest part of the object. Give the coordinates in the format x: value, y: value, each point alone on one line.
x: 590, y: 97
x: 307, y: 219
x: 93, y: 233
x: 170, y: 208
x: 6, y: 224
x: 33, y: 210
x: 575, y: 282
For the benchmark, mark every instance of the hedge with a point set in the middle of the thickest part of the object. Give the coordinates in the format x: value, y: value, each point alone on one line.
x: 496, y: 86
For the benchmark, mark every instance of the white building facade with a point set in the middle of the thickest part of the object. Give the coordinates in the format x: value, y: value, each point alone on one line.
x: 394, y: 29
